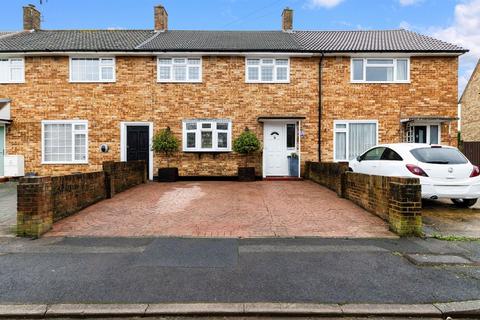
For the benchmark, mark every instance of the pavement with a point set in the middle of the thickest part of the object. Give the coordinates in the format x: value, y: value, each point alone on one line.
x: 198, y: 270
x: 224, y: 209
x: 8, y: 208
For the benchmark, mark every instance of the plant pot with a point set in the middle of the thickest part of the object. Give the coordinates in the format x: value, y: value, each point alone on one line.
x: 167, y: 174
x: 292, y: 166
x: 246, y: 174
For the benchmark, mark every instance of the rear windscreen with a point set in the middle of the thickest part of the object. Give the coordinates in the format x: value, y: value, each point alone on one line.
x: 439, y: 155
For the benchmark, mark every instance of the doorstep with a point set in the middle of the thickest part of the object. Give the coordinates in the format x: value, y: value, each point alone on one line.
x: 283, y: 178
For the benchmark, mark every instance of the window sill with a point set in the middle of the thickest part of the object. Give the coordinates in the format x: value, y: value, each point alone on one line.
x: 171, y: 81
x: 64, y: 163
x: 380, y: 82
x: 100, y: 81
x: 270, y: 82
x: 16, y: 82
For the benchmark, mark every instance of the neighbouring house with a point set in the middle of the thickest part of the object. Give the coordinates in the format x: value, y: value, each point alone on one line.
x: 470, y: 116
x: 71, y: 99
x: 470, y: 108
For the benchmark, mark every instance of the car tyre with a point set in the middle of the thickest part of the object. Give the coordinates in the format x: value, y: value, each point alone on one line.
x: 464, y: 203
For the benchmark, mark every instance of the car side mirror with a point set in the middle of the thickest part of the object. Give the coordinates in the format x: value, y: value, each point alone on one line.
x: 359, y: 159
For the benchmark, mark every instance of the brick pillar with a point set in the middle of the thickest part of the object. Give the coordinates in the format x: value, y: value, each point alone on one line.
x: 108, y: 168
x: 287, y: 19
x: 145, y: 172
x: 160, y: 18
x: 405, y: 208
x: 34, y: 206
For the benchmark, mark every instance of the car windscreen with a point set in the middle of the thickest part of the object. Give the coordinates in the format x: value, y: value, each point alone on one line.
x: 439, y: 155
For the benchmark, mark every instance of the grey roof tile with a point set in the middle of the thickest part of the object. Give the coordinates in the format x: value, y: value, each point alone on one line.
x: 180, y: 40
x: 375, y: 40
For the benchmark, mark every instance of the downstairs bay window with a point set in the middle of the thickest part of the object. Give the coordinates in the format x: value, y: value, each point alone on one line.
x: 352, y: 138
x: 65, y: 142
x: 207, y: 135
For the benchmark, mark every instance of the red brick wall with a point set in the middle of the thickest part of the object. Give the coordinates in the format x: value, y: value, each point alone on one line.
x: 136, y: 96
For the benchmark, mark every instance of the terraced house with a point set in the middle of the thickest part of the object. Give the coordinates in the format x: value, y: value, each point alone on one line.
x: 71, y: 99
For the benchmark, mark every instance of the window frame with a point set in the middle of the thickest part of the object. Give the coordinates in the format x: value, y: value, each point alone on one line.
x: 73, y: 123
x: 10, y: 67
x: 428, y: 125
x: 198, y: 133
x: 274, y: 79
x: 347, y: 136
x: 366, y: 65
x: 99, y: 69
x: 187, y: 80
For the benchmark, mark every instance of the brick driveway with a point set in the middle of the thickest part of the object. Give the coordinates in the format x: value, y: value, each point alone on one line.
x: 224, y: 209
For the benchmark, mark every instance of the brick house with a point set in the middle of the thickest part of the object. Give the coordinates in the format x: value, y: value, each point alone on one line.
x: 470, y: 108
x: 71, y: 99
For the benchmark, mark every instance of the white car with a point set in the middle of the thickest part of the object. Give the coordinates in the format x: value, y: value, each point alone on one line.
x: 444, y: 172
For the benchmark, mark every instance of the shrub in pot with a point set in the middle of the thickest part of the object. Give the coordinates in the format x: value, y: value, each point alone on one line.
x: 246, y: 144
x: 166, y: 143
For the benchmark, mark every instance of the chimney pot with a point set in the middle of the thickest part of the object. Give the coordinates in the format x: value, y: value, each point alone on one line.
x: 161, y: 18
x: 287, y: 19
x: 31, y: 18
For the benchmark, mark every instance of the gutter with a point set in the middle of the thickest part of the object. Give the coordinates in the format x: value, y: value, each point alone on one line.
x: 320, y: 106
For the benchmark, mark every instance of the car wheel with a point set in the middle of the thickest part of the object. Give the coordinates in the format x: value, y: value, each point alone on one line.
x: 464, y: 203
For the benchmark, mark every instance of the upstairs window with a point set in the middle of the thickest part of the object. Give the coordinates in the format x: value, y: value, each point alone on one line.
x: 207, y: 135
x: 92, y: 69
x: 65, y: 141
x: 12, y: 70
x: 380, y: 70
x: 179, y: 70
x: 267, y: 70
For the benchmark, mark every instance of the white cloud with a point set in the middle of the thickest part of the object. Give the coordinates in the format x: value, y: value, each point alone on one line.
x: 405, y: 25
x: 465, y: 32
x: 409, y: 2
x: 324, y: 3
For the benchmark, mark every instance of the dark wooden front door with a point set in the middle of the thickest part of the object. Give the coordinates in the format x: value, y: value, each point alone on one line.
x: 138, y: 144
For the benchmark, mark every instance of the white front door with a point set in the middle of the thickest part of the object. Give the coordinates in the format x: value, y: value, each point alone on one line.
x: 277, y: 147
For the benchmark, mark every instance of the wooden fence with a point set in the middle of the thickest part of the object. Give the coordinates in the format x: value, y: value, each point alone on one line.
x: 472, y: 151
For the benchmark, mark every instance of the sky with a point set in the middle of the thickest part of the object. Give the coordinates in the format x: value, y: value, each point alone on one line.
x: 454, y: 21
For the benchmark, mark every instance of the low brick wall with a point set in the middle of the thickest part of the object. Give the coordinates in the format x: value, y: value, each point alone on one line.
x: 328, y: 174
x: 41, y: 201
x: 396, y: 200
x: 121, y: 176
x: 72, y: 193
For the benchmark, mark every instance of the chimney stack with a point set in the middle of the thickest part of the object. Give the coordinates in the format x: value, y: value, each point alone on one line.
x: 161, y: 18
x: 31, y: 18
x: 287, y: 19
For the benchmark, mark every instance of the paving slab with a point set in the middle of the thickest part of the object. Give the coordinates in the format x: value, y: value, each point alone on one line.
x: 436, y: 259
x: 19, y: 310
x: 471, y: 308
x: 293, y: 308
x: 427, y: 310
x: 96, y: 310
x: 194, y: 308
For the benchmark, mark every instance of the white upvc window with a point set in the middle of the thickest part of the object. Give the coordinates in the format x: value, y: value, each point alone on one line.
x: 207, y: 135
x: 92, y: 69
x: 267, y: 70
x: 12, y: 70
x: 353, y: 137
x: 380, y: 70
x: 179, y: 69
x: 65, y: 142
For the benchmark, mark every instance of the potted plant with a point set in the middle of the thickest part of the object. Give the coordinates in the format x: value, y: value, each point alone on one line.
x: 293, y: 164
x: 246, y: 144
x: 165, y: 142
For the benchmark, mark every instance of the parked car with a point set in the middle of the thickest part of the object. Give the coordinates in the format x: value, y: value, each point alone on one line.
x: 444, y: 172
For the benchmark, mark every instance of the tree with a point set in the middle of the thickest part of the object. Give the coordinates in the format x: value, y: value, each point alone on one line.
x: 165, y: 142
x: 246, y: 144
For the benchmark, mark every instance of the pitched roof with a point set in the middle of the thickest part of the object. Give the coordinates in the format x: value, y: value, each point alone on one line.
x: 180, y: 40
x: 475, y: 73
x: 374, y: 40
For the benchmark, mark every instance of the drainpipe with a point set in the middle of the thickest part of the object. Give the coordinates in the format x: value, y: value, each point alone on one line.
x: 320, y: 73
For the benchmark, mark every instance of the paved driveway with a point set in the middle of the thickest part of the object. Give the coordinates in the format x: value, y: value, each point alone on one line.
x: 443, y: 218
x: 224, y: 209
x: 8, y: 208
